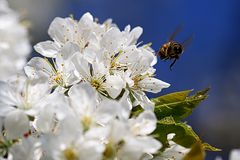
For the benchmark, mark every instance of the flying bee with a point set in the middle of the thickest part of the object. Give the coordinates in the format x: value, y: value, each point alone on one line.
x: 172, y: 50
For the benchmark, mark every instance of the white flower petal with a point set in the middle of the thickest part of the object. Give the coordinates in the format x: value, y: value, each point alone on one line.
x: 7, y: 94
x: 135, y: 34
x: 175, y: 152
x: 46, y: 120
x: 36, y: 92
x: 14, y: 42
x: 149, y: 56
x: 83, y: 98
x: 27, y: 149
x: 91, y: 149
x: 65, y: 65
x: 129, y: 55
x: 152, y: 85
x: 82, y: 66
x: 142, y: 100
x: 139, y: 67
x: 68, y: 50
x: 235, y: 154
x: 98, y: 132
x: 5, y: 109
x: 145, y: 123
x: 99, y: 69
x: 62, y: 30
x: 38, y: 69
x: 16, y: 124
x: 149, y: 144
x: 114, y: 85
x: 86, y: 20
x: 47, y: 49
x: 106, y: 111
x: 117, y: 127
x: 136, y: 147
x: 112, y: 41
x: 126, y: 106
x: 147, y: 156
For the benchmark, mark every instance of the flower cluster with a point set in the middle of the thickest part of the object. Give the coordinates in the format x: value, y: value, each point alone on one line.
x: 76, y: 102
x: 14, y: 43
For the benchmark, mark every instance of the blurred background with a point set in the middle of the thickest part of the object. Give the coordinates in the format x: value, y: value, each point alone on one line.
x: 212, y: 59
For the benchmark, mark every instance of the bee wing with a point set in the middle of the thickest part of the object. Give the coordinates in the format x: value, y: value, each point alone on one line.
x: 177, y: 30
x: 187, y: 41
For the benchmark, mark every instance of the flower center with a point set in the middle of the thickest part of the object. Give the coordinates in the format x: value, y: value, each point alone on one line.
x: 86, y: 121
x: 58, y: 79
x: 136, y: 79
x: 70, y: 154
x: 114, y: 64
x: 96, y: 83
x: 110, y: 151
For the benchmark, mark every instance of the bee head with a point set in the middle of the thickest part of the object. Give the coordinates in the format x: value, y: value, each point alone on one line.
x: 177, y: 48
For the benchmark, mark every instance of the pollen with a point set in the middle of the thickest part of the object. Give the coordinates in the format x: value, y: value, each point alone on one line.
x: 95, y: 83
x: 58, y: 79
x: 136, y: 80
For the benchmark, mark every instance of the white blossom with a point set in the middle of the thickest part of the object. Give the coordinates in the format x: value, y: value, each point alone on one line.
x: 133, y: 142
x: 21, y: 93
x: 69, y: 143
x: 235, y: 154
x: 174, y: 152
x: 99, y: 77
x: 60, y: 74
x: 85, y: 33
x: 14, y: 42
x: 27, y: 149
x: 76, y: 102
x: 86, y: 107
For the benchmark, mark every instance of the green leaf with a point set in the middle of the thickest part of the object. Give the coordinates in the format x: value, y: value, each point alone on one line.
x: 196, y: 153
x: 136, y: 111
x: 179, y: 105
x: 184, y: 135
x: 208, y: 147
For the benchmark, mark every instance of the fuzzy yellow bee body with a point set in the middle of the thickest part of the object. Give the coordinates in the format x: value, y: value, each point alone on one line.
x: 172, y: 50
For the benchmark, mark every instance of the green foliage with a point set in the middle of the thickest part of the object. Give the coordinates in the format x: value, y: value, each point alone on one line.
x: 170, y: 109
x: 208, y: 147
x: 4, y: 146
x: 179, y: 105
x: 184, y: 135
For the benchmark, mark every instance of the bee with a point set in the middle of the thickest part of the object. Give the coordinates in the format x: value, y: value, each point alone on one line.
x: 172, y: 50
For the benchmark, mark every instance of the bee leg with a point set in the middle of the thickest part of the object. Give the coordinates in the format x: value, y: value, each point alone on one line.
x: 165, y: 59
x: 173, y: 64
